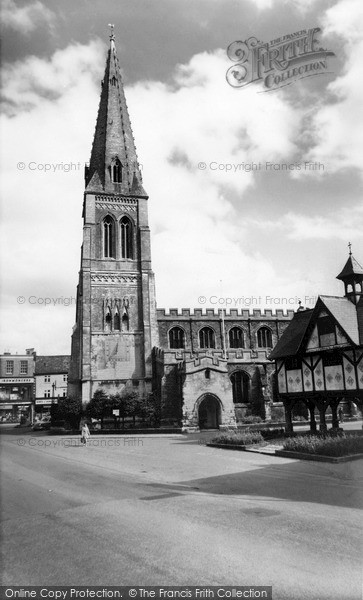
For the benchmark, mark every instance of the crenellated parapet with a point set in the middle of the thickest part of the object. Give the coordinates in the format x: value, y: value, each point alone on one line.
x: 219, y: 313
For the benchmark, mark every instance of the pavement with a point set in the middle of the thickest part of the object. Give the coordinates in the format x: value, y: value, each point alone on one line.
x: 167, y: 510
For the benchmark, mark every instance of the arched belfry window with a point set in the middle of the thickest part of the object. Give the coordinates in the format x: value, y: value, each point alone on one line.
x: 207, y: 338
x: 116, y: 321
x: 125, y: 322
x: 109, y: 245
x: 108, y: 319
x: 116, y: 171
x: 236, y: 338
x: 264, y: 338
x: 240, y: 387
x: 126, y: 238
x: 176, y: 338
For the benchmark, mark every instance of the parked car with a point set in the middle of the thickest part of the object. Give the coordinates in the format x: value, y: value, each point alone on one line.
x: 44, y: 423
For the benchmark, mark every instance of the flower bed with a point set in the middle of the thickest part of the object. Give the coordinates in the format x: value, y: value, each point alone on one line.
x: 325, y: 446
x: 236, y: 438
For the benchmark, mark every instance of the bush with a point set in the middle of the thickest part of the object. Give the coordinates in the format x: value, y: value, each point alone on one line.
x: 278, y: 414
x: 238, y: 438
x: 249, y: 420
x: 272, y: 433
x: 325, y: 445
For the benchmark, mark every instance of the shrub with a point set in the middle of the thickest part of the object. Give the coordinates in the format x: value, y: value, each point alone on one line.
x: 248, y: 420
x: 237, y: 438
x: 325, y: 445
x: 272, y: 432
x: 278, y: 414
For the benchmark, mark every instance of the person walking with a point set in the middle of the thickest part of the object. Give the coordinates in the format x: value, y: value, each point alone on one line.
x: 341, y: 415
x: 85, y: 434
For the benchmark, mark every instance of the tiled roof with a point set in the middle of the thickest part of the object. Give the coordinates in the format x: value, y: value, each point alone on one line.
x: 47, y: 365
x: 345, y: 312
x: 290, y: 341
x: 351, y: 267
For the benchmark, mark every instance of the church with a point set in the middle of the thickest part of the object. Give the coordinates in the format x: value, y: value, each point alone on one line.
x: 205, y: 368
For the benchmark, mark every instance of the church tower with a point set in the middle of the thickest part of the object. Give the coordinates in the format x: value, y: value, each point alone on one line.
x: 116, y: 325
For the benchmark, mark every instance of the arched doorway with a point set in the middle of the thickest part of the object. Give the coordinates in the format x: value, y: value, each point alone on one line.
x: 209, y: 412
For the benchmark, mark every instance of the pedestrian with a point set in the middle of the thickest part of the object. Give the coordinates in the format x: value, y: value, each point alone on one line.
x: 341, y: 415
x: 85, y: 434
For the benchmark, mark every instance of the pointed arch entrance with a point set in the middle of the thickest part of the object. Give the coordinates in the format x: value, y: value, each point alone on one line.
x: 209, y: 411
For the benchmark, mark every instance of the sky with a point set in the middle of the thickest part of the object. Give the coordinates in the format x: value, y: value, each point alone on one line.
x: 223, y: 236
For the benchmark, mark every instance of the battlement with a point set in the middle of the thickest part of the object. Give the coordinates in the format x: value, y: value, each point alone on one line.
x: 232, y: 313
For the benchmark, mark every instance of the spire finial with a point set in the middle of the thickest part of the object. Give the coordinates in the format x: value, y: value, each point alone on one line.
x: 112, y: 36
x: 350, y: 249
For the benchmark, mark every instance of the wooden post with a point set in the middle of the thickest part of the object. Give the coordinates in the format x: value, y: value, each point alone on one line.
x: 288, y: 415
x: 334, y: 412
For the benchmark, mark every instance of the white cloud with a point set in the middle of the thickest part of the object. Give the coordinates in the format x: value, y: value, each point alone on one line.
x: 299, y: 227
x: 54, y: 103
x: 337, y: 124
x: 201, y: 231
x: 26, y: 19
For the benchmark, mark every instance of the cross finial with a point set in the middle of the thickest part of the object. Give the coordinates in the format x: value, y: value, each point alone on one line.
x: 111, y: 26
x: 350, y: 249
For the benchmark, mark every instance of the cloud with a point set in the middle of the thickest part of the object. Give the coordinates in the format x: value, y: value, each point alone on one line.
x: 27, y: 18
x: 196, y: 213
x: 299, y: 227
x: 54, y: 103
x: 338, y: 137
x: 194, y: 134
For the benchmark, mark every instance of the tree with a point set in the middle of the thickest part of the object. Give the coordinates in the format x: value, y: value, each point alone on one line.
x: 134, y: 405
x: 69, y: 410
x: 99, y: 405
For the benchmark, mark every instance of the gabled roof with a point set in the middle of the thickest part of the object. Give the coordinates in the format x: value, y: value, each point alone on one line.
x: 294, y: 338
x: 52, y: 365
x: 345, y: 313
x: 351, y: 269
x: 291, y: 339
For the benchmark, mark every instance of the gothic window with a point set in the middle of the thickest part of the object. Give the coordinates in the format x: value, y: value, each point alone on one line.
x: 117, y: 171
x: 125, y: 323
x: 176, y: 338
x: 126, y: 238
x: 108, y: 320
x: 236, y: 338
x: 264, y: 338
x: 108, y: 237
x: 116, y: 322
x: 207, y: 338
x: 240, y: 387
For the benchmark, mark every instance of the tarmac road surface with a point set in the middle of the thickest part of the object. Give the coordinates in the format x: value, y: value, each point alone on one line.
x: 155, y: 510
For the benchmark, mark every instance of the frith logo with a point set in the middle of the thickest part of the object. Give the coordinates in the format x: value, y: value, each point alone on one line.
x: 279, y: 62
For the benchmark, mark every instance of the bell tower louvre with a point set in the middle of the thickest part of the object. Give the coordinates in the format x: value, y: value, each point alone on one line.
x: 116, y: 326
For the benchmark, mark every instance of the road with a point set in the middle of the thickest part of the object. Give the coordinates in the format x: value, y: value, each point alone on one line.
x: 170, y: 511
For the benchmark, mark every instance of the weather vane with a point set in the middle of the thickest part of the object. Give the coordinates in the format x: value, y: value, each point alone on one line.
x: 111, y: 26
x: 350, y: 249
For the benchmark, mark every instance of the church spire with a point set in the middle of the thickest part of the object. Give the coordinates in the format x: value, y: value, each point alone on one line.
x: 113, y: 166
